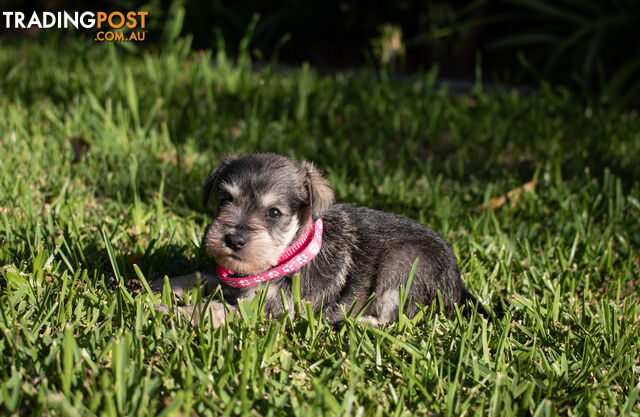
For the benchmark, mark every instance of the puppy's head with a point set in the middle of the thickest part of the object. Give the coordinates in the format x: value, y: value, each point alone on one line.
x: 263, y: 204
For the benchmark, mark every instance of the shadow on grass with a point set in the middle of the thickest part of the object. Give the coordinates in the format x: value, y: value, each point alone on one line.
x: 170, y: 260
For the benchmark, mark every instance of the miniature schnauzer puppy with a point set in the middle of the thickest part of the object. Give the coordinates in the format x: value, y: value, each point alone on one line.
x: 276, y: 217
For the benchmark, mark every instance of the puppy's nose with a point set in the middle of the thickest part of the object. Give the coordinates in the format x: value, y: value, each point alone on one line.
x: 235, y: 241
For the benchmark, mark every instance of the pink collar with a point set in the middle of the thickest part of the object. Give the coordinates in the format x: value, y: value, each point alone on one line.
x: 292, y: 259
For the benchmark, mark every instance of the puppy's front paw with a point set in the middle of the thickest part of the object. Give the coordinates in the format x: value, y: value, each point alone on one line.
x: 180, y: 285
x: 161, y: 308
x: 195, y: 314
x: 157, y: 284
x: 185, y: 311
x: 217, y: 311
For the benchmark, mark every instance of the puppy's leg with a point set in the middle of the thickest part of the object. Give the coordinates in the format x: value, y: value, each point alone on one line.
x: 370, y: 320
x: 218, y: 312
x: 180, y: 285
x: 435, y: 271
x: 335, y: 315
x: 336, y: 318
x: 208, y: 282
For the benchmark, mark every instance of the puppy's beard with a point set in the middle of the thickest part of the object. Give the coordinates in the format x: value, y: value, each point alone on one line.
x: 260, y: 253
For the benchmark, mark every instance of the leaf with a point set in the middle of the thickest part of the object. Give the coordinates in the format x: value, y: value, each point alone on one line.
x: 622, y: 76
x: 68, y: 345
x: 132, y: 96
x: 526, y: 38
x: 174, y: 24
x: 130, y: 260
x: 550, y: 11
x: 513, y: 196
x: 80, y: 148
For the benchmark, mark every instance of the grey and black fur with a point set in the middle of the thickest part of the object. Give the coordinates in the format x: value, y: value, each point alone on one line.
x: 263, y: 204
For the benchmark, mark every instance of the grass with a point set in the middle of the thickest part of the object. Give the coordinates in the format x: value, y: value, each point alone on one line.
x: 79, y: 240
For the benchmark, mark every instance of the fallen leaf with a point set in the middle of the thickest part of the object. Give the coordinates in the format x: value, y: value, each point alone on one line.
x: 173, y: 157
x: 129, y: 260
x: 135, y: 284
x: 513, y: 196
x: 80, y: 148
x: 235, y: 132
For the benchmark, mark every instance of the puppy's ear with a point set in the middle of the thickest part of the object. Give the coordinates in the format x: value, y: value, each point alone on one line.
x: 320, y: 193
x: 214, y: 178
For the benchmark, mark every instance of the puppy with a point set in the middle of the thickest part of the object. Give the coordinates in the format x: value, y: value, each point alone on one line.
x: 275, y: 217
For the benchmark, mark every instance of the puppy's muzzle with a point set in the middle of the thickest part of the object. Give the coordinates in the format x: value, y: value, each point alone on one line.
x: 235, y: 241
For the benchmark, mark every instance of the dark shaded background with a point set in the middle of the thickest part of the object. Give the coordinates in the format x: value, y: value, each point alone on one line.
x: 590, y: 46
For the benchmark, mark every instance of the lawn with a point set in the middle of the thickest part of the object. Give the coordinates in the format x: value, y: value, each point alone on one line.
x: 104, y: 154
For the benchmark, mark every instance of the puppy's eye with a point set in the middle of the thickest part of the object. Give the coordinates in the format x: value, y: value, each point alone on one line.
x: 224, y: 200
x: 274, y: 213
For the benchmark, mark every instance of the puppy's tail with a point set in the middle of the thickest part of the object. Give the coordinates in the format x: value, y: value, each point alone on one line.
x: 466, y: 298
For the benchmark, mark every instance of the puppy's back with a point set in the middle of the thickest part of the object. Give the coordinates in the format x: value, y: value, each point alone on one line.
x: 385, y: 247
